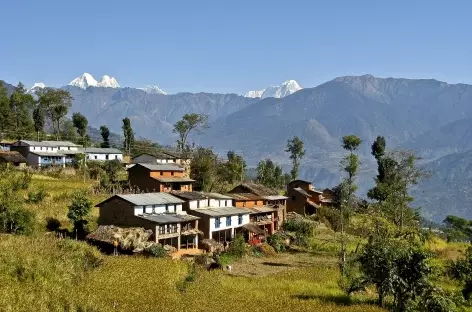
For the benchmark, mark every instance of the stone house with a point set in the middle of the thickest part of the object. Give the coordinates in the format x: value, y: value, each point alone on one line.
x: 303, y: 198
x: 160, y: 212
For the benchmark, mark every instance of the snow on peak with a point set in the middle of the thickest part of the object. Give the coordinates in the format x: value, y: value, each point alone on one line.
x: 86, y: 80
x: 286, y: 88
x: 153, y: 90
x: 37, y: 86
x: 108, y: 82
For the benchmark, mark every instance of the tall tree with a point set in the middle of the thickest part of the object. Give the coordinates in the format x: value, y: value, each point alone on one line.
x: 297, y: 152
x: 56, y: 103
x: 350, y: 165
x: 6, y: 120
x: 105, y: 136
x: 21, y: 104
x: 189, y: 123
x: 128, y: 134
x: 80, y: 123
x: 271, y: 174
x: 236, y: 167
x: 38, y: 119
x: 204, y: 169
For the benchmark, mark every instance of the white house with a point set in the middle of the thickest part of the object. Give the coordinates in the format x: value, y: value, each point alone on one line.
x: 102, y: 154
x: 161, y: 157
x: 46, y: 153
x: 219, y: 219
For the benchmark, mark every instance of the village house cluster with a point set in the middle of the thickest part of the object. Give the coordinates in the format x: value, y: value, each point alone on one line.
x: 184, y: 219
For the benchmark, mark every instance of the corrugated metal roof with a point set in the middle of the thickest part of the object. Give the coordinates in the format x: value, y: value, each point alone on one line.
x: 47, y: 154
x: 157, y: 155
x: 199, y: 195
x: 163, y: 218
x: 151, y: 199
x: 67, y: 152
x: 221, y: 211
x: 257, y: 189
x: 162, y: 167
x: 261, y: 209
x: 49, y: 143
x: 275, y: 197
x: 217, y: 196
x: 98, y: 150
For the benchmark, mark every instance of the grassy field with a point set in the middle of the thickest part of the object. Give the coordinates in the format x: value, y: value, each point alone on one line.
x: 41, y: 273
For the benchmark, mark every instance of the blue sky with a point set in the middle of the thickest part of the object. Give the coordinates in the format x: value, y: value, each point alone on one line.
x: 233, y: 46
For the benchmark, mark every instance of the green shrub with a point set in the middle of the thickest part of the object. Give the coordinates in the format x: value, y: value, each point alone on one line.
x: 156, y: 250
x: 277, y: 242
x: 238, y: 246
x: 225, y: 259
x: 266, y: 249
x: 17, y: 220
x: 35, y: 197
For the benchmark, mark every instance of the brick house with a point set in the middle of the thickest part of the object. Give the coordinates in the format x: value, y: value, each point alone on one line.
x: 160, y: 212
x: 159, y: 178
x: 266, y: 206
x: 304, y: 199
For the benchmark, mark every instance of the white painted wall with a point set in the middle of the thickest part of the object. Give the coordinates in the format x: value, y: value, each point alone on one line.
x: 234, y: 223
x: 92, y: 156
x: 43, y: 149
x: 138, y: 210
x: 159, y: 208
x: 193, y: 204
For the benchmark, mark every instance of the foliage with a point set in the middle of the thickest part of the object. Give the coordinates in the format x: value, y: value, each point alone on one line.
x: 461, y: 270
x: 297, y: 152
x: 80, y: 123
x: 277, y: 242
x: 38, y: 119
x: 21, y: 104
x: 35, y: 197
x: 238, y: 246
x: 79, y: 209
x: 433, y: 299
x: 5, y: 111
x: 271, y: 175
x: 302, y: 229
x: 112, y: 169
x: 204, y: 169
x: 128, y: 134
x: 56, y: 103
x: 156, y: 250
x: 234, y: 169
x: 189, y: 123
x: 458, y: 229
x: 105, y: 133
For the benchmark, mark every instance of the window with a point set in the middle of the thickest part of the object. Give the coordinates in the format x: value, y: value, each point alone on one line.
x: 228, y: 221
x: 167, y: 208
x: 293, y: 197
x: 95, y: 156
x: 217, y: 222
x: 106, y: 156
x: 172, y: 173
x: 116, y: 156
x: 240, y: 219
x: 161, y: 173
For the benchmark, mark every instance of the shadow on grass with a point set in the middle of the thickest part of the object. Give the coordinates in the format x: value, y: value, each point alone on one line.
x: 276, y: 264
x: 341, y: 300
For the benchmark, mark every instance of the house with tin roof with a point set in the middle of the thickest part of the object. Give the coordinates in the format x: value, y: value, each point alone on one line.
x: 159, y: 178
x: 303, y: 198
x: 102, y: 154
x: 219, y: 219
x: 47, y: 153
x: 160, y: 212
x: 265, y: 205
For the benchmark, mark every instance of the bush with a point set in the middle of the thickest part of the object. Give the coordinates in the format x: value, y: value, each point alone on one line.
x: 36, y: 197
x: 225, y: 259
x: 78, y: 210
x: 277, y: 242
x: 330, y: 217
x: 156, y: 250
x: 237, y: 246
x: 17, y: 220
x: 266, y: 249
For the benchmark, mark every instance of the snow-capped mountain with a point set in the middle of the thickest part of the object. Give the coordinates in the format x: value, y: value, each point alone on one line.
x: 286, y: 88
x: 37, y: 86
x: 86, y: 80
x: 153, y: 90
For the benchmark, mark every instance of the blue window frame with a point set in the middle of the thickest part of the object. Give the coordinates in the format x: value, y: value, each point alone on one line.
x: 217, y: 222
x: 228, y: 221
x: 240, y: 219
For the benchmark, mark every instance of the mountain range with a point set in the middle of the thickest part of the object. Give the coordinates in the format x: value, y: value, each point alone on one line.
x: 432, y: 118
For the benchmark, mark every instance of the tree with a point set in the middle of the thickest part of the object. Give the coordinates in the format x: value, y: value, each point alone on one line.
x: 112, y: 169
x: 235, y: 168
x: 128, y: 134
x: 79, y: 209
x: 38, y: 119
x: 204, y: 169
x: 461, y: 270
x: 458, y: 229
x: 21, y: 105
x: 80, y: 123
x: 296, y: 150
x: 105, y: 136
x: 6, y: 119
x: 350, y: 164
x: 56, y: 103
x: 189, y: 123
x: 271, y: 174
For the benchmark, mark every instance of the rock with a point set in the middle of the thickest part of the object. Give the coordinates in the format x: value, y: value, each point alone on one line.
x: 131, y: 239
